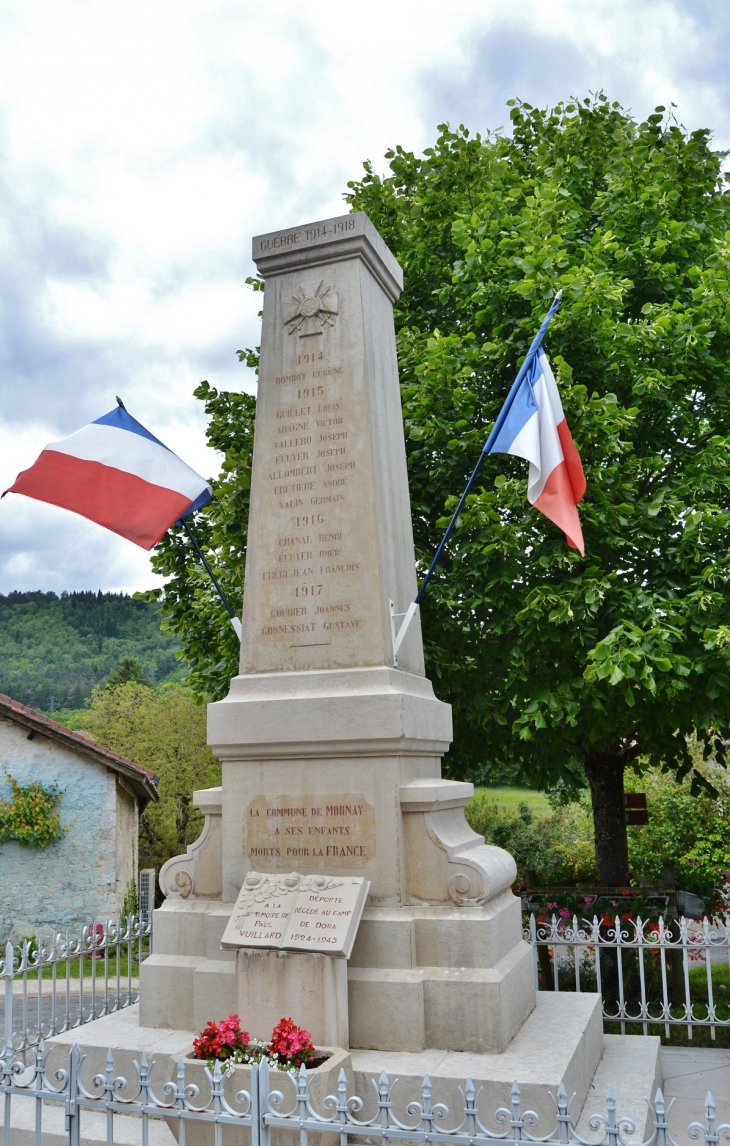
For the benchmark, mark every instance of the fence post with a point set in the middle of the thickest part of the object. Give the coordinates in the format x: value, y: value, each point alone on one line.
x: 563, y: 1115
x: 255, y: 1105
x: 543, y: 966
x: 612, y: 1132
x: 7, y: 975
x: 72, y: 1109
x: 383, y: 1087
x: 264, y: 1131
x: 7, y: 1078
x: 516, y: 1121
x: 470, y: 1107
x: 533, y: 944
x: 661, y: 1126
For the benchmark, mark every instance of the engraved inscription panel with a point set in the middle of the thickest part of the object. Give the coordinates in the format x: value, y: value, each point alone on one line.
x: 336, y: 831
x: 312, y: 592
x: 299, y: 912
x: 262, y: 912
x: 323, y: 917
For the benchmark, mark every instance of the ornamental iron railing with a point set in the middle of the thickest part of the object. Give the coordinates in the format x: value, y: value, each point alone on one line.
x: 263, y: 1110
x: 48, y: 986
x: 673, y: 973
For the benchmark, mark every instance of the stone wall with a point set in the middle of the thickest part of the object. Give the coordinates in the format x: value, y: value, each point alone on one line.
x: 127, y: 826
x: 83, y: 876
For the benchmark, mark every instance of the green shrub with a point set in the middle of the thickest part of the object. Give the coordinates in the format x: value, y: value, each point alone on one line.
x: 688, y: 831
x: 685, y: 830
x: 129, y: 907
x: 557, y: 848
x: 32, y: 816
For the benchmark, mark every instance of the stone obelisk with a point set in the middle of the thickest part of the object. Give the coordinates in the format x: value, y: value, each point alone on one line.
x: 330, y: 537
x: 331, y: 751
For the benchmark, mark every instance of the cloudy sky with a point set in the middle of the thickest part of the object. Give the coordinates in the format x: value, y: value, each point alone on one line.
x: 143, y: 143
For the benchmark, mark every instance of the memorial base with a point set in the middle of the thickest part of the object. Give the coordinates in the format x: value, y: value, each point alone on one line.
x: 338, y: 773
x: 561, y: 1043
x: 307, y: 987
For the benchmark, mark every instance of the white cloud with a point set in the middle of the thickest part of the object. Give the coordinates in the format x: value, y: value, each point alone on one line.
x: 142, y: 145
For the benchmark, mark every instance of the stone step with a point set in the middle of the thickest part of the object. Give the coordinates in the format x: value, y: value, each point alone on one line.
x: 632, y: 1066
x: 561, y: 1042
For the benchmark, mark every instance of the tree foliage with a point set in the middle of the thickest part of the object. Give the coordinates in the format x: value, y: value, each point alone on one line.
x: 553, y: 661
x: 555, y: 665
x: 685, y: 830
x: 164, y: 730
x: 127, y: 670
x: 62, y: 646
x: 191, y: 607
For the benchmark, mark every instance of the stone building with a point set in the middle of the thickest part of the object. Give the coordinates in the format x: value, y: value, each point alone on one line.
x: 82, y: 877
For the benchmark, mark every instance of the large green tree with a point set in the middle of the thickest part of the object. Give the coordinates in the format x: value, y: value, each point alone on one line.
x: 558, y: 665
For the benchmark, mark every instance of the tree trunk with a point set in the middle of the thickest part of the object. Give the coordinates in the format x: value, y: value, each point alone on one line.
x: 605, y: 775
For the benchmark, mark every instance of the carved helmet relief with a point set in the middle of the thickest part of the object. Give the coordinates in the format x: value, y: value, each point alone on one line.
x: 311, y: 309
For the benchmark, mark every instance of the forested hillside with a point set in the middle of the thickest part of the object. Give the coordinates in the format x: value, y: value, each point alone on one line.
x: 53, y: 650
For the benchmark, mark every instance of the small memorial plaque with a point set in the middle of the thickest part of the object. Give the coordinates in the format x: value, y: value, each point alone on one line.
x: 297, y: 913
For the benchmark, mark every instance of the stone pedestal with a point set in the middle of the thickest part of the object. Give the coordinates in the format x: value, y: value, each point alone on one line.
x: 439, y: 960
x: 315, y: 786
x: 307, y: 987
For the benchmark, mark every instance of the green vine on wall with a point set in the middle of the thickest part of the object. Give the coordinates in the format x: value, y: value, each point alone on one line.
x: 32, y: 816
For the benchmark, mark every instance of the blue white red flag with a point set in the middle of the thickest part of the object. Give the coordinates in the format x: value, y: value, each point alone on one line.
x: 118, y: 474
x: 533, y: 427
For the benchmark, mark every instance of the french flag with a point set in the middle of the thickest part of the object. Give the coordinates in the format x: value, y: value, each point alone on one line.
x: 118, y: 474
x: 533, y: 427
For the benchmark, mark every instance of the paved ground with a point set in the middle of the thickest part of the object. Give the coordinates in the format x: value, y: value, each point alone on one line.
x: 688, y: 1076
x: 30, y: 1022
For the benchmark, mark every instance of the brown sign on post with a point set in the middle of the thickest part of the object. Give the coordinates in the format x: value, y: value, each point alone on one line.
x: 636, y: 811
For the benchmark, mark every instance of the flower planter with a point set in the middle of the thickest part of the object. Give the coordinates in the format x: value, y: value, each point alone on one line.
x: 322, y: 1081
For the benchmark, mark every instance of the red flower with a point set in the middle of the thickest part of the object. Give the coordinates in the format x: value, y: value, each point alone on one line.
x: 291, y: 1043
x: 220, y: 1040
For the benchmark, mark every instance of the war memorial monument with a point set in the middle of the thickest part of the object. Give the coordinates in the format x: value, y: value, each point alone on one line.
x: 332, y: 797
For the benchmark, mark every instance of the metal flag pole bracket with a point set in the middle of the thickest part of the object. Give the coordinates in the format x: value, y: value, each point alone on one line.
x: 401, y: 632
x: 235, y: 621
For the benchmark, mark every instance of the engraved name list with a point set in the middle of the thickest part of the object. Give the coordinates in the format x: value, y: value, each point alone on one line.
x: 312, y: 590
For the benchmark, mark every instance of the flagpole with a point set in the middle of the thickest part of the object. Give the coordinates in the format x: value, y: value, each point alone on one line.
x: 234, y: 619
x: 528, y: 360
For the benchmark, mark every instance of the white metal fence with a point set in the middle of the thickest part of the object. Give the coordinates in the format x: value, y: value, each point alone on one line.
x: 51, y: 986
x: 262, y: 1109
x: 649, y: 973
